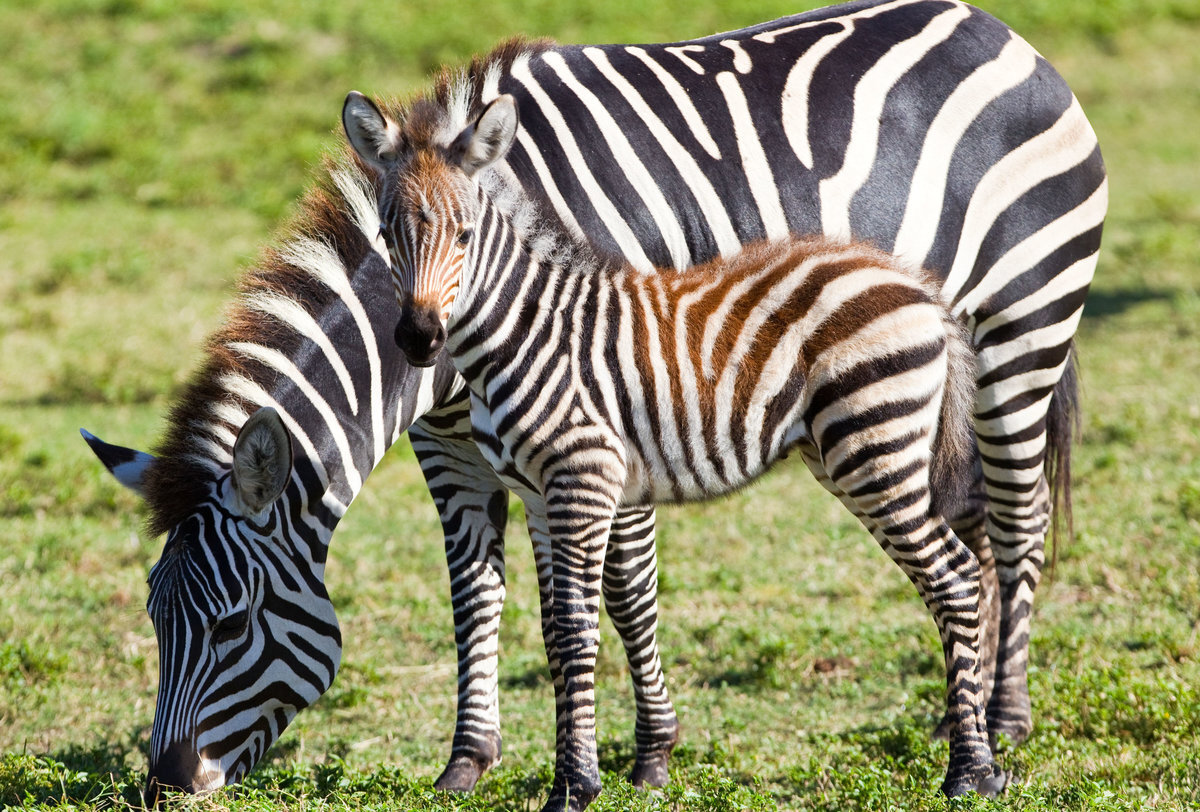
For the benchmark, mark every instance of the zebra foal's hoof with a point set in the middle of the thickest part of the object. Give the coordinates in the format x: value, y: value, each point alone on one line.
x: 994, y: 784
x: 650, y: 771
x: 989, y: 782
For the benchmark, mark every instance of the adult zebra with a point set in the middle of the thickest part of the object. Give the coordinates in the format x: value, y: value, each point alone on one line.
x: 862, y: 118
x: 925, y: 127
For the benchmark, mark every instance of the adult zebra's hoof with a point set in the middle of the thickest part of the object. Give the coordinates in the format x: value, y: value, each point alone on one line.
x: 1017, y: 730
x: 650, y: 770
x: 460, y: 775
x: 567, y: 797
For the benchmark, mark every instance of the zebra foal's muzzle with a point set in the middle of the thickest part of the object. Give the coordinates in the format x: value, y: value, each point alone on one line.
x: 420, y: 334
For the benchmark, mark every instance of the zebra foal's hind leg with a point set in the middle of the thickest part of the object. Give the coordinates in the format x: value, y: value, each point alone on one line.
x: 947, y: 576
x: 969, y: 523
x: 630, y: 589
x: 970, y: 526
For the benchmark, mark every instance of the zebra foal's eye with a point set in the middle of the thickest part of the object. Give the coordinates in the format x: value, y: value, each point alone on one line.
x: 230, y: 627
x: 464, y: 236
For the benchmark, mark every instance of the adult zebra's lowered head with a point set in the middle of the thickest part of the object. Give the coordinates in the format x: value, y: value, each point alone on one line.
x: 231, y: 676
x: 263, y: 452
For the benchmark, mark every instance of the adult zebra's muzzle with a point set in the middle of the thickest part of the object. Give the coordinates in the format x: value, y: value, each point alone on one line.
x: 179, y: 769
x: 420, y: 334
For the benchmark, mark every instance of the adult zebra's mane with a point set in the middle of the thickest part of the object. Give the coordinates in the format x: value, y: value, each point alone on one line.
x: 203, y: 423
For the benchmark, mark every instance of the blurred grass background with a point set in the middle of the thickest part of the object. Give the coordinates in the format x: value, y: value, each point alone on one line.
x: 150, y: 149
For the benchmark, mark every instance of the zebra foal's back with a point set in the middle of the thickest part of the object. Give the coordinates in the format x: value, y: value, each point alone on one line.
x: 797, y: 341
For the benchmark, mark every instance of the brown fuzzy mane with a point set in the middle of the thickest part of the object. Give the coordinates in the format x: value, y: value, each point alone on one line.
x: 177, y: 480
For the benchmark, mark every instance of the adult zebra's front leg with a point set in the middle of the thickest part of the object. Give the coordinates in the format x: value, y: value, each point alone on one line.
x: 472, y: 504
x: 473, y: 507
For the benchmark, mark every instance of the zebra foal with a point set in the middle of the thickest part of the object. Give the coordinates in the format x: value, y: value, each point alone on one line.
x: 594, y: 386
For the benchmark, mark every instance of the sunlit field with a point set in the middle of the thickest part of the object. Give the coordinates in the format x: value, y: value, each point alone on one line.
x: 149, y: 151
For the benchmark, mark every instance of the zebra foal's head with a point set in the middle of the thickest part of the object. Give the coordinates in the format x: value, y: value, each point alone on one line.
x: 246, y: 632
x: 429, y: 203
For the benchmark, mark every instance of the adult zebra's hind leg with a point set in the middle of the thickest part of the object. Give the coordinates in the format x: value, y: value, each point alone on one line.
x: 1025, y: 419
x: 631, y: 597
x: 1018, y: 518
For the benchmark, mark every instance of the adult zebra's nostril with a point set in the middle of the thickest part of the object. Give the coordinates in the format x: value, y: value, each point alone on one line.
x: 175, y: 769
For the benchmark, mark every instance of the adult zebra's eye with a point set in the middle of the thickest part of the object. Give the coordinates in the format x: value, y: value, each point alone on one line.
x: 464, y: 236
x: 230, y: 627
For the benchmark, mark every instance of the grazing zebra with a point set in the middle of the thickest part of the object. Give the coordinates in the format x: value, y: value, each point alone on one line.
x: 299, y: 396
x: 595, y: 386
x: 923, y: 126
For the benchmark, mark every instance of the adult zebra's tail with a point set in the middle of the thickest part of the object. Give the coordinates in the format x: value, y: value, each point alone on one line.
x: 1062, y: 426
x: 953, y: 466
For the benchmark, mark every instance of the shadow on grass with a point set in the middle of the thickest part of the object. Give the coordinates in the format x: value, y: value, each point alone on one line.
x: 1102, y: 304
x: 530, y: 678
x: 102, y: 775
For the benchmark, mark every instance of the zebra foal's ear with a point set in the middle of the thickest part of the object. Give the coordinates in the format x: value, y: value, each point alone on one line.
x: 374, y: 136
x: 487, y: 140
x: 126, y: 464
x: 262, y: 461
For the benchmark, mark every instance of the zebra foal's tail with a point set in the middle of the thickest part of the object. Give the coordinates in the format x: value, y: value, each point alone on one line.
x: 952, y: 469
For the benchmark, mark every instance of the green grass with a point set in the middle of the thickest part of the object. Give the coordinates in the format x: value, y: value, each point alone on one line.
x: 149, y: 150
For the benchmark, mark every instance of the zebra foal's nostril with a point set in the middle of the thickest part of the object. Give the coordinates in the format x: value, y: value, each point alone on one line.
x: 420, y: 335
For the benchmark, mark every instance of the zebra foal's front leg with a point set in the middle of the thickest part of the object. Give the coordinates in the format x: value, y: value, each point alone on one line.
x: 631, y: 597
x: 578, y: 516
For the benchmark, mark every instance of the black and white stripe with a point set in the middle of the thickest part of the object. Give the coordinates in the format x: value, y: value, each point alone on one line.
x: 300, y: 395
x: 596, y: 386
x: 982, y: 170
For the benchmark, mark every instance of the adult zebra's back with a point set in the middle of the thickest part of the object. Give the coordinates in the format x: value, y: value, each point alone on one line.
x: 925, y: 127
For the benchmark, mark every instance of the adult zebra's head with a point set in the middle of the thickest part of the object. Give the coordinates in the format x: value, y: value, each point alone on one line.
x: 247, y: 635
x: 429, y: 202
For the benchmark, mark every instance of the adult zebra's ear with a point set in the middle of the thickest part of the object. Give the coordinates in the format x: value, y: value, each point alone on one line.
x: 262, y: 462
x: 126, y: 464
x: 487, y: 140
x: 374, y: 136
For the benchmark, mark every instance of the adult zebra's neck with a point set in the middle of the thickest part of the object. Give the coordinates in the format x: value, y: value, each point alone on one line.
x: 310, y: 336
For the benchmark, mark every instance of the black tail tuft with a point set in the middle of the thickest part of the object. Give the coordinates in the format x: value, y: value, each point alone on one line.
x: 1062, y: 427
